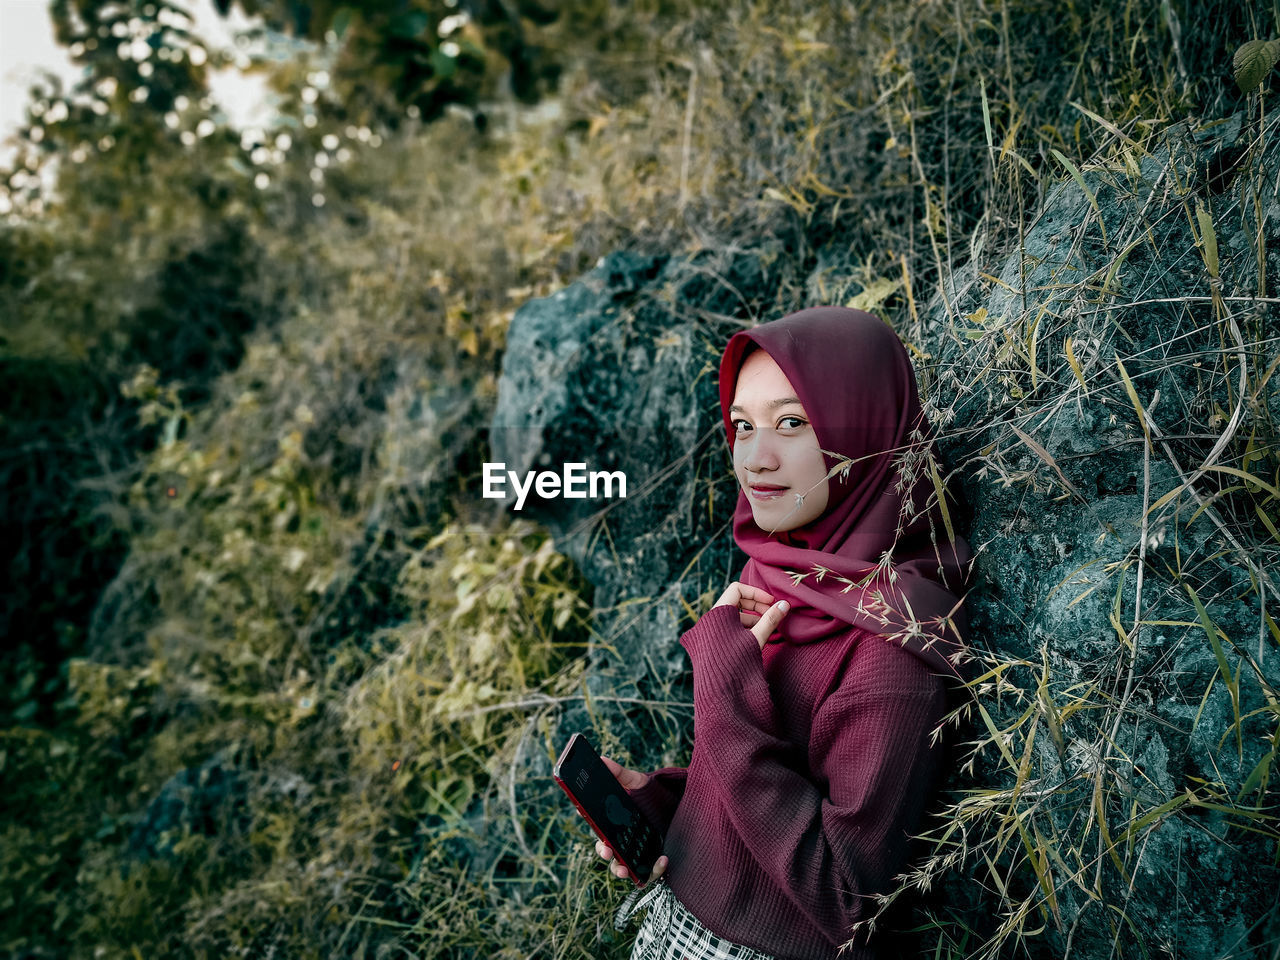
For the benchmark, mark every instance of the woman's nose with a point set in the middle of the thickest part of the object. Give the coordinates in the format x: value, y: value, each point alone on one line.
x: 761, y: 452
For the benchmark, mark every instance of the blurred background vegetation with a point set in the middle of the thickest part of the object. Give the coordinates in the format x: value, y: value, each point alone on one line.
x: 267, y: 666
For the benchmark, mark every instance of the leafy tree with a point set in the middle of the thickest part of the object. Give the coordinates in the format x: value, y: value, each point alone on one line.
x: 423, y: 54
x: 130, y: 244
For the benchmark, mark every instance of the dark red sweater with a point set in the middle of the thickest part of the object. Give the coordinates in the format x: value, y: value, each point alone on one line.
x: 811, y: 764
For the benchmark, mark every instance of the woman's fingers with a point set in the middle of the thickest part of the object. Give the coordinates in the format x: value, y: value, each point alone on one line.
x: 621, y: 872
x: 616, y: 868
x: 769, y: 621
x: 629, y: 779
x: 745, y: 597
x: 754, y: 597
x: 756, y: 609
x: 729, y: 597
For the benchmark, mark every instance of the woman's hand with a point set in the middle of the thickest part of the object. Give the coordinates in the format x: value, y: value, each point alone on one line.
x: 621, y: 872
x: 630, y: 780
x: 755, y: 608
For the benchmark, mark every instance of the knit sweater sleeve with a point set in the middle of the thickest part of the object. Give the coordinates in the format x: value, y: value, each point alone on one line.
x: 828, y: 829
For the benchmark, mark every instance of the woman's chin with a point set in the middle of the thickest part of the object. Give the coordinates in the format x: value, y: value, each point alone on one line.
x: 773, y: 521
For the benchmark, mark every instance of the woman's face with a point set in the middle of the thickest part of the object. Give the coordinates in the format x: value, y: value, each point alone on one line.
x: 775, y: 451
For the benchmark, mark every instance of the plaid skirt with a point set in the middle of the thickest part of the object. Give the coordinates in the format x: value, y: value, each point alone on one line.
x: 670, y: 932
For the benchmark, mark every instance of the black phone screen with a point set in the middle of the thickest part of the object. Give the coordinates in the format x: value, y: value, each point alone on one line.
x: 610, y: 811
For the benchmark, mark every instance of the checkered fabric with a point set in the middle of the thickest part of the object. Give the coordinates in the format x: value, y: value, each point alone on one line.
x: 670, y: 932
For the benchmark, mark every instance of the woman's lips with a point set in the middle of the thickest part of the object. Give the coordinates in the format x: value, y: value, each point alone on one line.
x: 767, y: 493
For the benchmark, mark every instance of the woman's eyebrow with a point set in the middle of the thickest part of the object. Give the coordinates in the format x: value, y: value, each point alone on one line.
x: 772, y: 404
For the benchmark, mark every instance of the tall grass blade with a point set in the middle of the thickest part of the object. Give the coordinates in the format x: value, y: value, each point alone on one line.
x: 1133, y: 396
x: 1079, y: 179
x: 1208, y: 239
x: 1075, y: 365
x: 1233, y: 684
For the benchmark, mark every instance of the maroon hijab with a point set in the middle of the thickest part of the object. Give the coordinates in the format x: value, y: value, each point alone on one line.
x: 856, y: 383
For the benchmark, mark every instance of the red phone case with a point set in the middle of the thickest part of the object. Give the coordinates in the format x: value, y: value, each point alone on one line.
x: 569, y: 748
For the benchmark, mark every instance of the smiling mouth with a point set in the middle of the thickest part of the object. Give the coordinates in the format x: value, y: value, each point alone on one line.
x: 767, y: 492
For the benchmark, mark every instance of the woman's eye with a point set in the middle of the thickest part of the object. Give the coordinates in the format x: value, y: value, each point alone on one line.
x: 740, y: 425
x: 798, y: 423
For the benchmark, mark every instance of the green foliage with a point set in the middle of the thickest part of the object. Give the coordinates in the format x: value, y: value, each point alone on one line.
x: 420, y: 57
x: 489, y: 613
x: 121, y: 251
x: 77, y: 333
x: 1253, y: 61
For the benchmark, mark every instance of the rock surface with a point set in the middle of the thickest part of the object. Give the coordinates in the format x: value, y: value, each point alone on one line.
x: 618, y: 371
x: 203, y: 800
x: 610, y: 373
x: 1128, y: 284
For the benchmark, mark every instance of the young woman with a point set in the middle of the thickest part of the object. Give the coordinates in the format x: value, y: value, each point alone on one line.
x: 818, y: 677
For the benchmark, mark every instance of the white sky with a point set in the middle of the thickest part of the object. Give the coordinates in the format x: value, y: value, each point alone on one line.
x: 27, y: 46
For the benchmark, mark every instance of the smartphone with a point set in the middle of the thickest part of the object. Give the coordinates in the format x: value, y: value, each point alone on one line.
x: 613, y: 815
